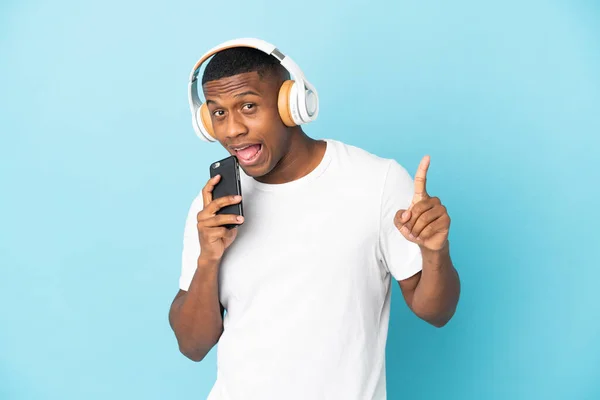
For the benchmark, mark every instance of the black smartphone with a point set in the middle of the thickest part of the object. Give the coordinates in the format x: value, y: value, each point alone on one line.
x: 228, y: 185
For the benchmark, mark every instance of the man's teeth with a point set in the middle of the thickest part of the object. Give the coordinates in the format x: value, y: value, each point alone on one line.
x: 242, y: 148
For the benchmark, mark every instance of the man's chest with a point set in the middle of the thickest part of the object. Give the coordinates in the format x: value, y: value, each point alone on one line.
x: 289, y: 247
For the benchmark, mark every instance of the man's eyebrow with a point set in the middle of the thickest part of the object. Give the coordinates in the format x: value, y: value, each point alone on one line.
x: 246, y: 93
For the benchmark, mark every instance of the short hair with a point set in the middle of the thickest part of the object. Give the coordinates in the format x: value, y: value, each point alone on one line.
x: 238, y: 60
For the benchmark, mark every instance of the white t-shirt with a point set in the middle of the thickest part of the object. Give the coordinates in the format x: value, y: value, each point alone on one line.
x: 307, y: 282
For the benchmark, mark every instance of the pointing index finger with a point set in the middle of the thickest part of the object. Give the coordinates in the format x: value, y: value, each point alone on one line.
x: 421, y: 179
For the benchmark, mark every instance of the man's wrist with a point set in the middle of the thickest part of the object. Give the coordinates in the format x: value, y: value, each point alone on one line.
x: 208, y: 263
x: 436, y: 258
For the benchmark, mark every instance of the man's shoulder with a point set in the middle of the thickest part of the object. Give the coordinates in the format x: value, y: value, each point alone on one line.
x: 364, y: 168
x: 361, y: 158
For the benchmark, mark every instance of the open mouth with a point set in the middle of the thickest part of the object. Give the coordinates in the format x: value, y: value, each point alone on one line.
x: 248, y: 153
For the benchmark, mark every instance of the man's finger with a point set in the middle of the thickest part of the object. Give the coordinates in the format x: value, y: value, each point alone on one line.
x: 223, y: 219
x: 426, y: 219
x: 208, y: 188
x: 418, y: 210
x: 402, y: 217
x: 222, y: 202
x: 437, y: 226
x: 421, y: 180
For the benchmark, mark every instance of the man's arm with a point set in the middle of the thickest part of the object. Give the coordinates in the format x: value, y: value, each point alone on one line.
x: 196, y: 316
x: 433, y: 293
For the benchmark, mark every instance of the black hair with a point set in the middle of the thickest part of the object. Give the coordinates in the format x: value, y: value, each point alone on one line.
x: 238, y: 60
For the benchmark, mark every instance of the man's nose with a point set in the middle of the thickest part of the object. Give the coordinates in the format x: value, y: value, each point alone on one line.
x: 235, y: 126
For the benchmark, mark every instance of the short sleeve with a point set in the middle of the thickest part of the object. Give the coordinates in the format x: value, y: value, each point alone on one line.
x: 191, y: 245
x: 398, y: 256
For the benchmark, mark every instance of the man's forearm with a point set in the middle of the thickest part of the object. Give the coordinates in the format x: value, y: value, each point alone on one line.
x: 436, y: 295
x: 196, y: 316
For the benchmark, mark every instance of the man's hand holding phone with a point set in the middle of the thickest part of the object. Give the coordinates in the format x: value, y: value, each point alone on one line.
x: 213, y: 235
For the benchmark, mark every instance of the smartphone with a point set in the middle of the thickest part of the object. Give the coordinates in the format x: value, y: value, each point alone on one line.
x: 228, y: 185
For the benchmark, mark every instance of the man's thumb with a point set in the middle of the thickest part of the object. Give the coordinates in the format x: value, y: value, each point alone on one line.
x: 402, y: 217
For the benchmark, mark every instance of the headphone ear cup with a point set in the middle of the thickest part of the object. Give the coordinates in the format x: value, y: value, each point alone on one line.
x: 284, y: 104
x: 205, y: 120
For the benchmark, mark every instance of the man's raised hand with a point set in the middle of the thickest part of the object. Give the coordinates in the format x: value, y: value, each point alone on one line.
x: 426, y: 222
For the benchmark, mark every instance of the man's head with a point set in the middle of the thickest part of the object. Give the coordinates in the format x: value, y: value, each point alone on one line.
x: 241, y: 86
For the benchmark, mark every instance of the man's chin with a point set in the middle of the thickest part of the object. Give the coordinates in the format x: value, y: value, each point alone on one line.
x: 254, y: 171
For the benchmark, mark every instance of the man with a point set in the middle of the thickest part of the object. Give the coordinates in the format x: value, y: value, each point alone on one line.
x: 306, y: 279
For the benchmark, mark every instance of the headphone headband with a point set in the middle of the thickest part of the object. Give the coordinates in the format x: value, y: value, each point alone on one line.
x: 306, y: 102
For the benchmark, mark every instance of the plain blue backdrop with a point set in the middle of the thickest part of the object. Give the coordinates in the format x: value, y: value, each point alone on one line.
x: 99, y: 164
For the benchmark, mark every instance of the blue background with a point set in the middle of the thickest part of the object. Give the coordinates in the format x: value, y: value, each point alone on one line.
x: 99, y: 164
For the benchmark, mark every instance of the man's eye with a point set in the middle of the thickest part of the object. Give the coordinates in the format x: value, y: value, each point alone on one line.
x: 249, y: 106
x: 218, y: 113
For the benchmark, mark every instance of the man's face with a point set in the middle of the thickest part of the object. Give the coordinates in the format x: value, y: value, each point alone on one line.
x: 246, y: 121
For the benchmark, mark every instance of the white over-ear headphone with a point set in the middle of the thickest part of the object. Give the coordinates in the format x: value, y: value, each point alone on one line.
x: 298, y: 101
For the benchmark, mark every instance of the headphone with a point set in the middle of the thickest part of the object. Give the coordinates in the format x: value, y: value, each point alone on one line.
x: 298, y: 101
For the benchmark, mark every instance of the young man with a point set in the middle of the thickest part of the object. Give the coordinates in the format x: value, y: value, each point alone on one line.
x: 306, y: 279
